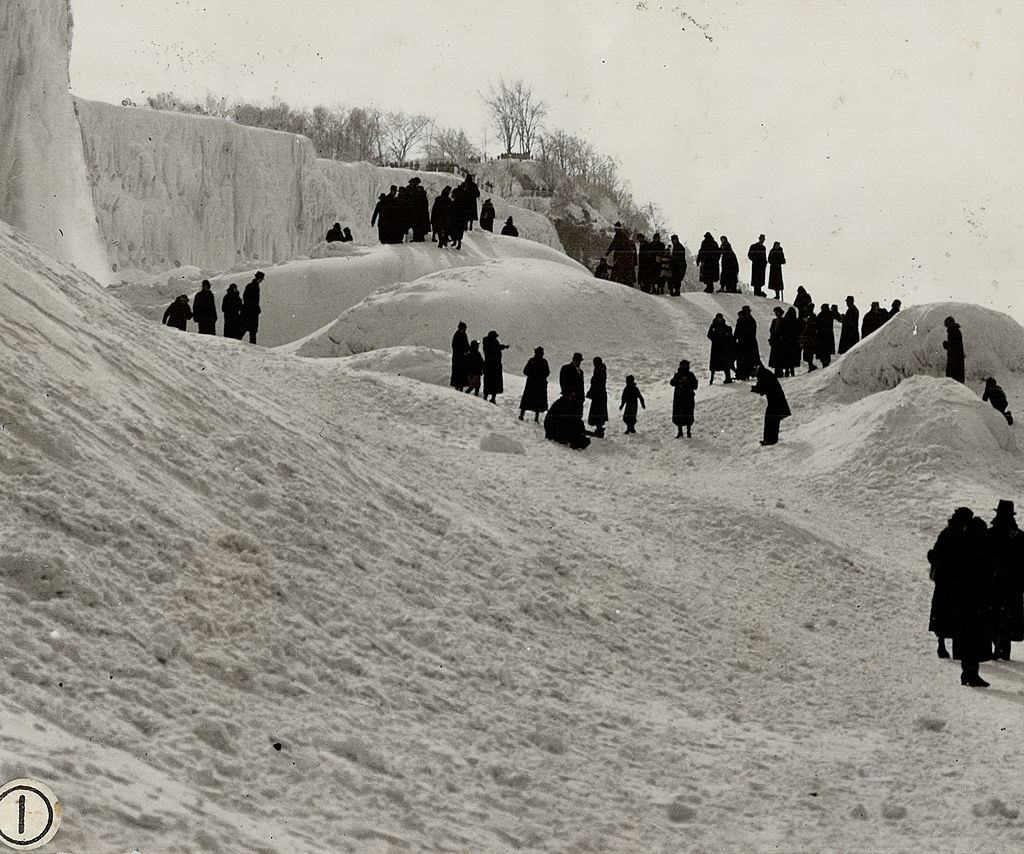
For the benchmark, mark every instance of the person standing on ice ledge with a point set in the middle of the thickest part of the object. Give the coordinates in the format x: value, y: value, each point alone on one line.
x: 707, y: 262
x: 631, y: 396
x: 509, y: 229
x: 571, y: 381
x: 474, y: 368
x: 251, y: 306
x: 178, y: 314
x: 204, y: 310
x: 776, y: 258
x: 954, y: 347
x: 1007, y: 545
x: 460, y: 349
x: 231, y: 308
x: 494, y: 380
x: 535, y: 395
x: 758, y: 255
x: 850, y: 331
x: 487, y: 215
x: 769, y: 387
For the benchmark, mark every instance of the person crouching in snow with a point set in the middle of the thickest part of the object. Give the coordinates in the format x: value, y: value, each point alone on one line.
x: 997, y: 397
x: 631, y: 396
x: 564, y: 423
x: 770, y: 388
x: 474, y: 366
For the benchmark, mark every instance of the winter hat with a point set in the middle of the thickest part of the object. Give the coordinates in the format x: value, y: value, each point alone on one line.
x: 1005, y: 508
x: 962, y: 515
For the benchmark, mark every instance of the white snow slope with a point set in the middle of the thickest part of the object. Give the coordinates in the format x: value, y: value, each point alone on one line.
x: 208, y: 549
x: 173, y: 189
x: 43, y: 186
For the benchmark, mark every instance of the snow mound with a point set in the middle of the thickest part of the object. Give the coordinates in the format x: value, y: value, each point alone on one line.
x: 911, y: 344
x: 299, y: 297
x: 174, y: 189
x: 496, y: 443
x: 529, y: 303
x: 417, y: 363
x: 43, y: 187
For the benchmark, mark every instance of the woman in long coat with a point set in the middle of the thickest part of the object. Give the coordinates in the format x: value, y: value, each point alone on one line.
x: 685, y: 384
x: 775, y: 342
x: 849, y: 333
x: 598, y: 394
x: 954, y: 347
x: 942, y: 560
x: 707, y: 260
x: 721, y: 338
x: 460, y: 349
x: 730, y: 269
x: 535, y: 395
x: 441, y: 216
x: 231, y: 309
x: 972, y: 599
x: 789, y: 329
x: 825, y: 335
x: 776, y: 258
x: 494, y: 382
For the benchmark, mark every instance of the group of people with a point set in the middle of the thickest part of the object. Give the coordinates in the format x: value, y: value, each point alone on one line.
x: 978, y: 599
x: 241, y: 312
x: 717, y: 263
x: 406, y: 213
x: 648, y: 264
x: 563, y: 422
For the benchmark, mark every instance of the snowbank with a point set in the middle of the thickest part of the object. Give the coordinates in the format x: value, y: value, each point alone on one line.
x: 172, y: 189
x: 911, y: 344
x: 529, y: 303
x: 43, y: 186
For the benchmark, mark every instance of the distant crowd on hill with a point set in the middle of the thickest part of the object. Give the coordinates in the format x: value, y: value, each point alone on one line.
x: 978, y: 600
x: 241, y: 312
x: 404, y: 214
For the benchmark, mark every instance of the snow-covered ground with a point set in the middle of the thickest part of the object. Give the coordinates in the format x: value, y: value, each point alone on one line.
x: 210, y: 549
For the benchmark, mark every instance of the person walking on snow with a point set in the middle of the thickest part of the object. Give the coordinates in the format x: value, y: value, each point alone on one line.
x: 598, y: 395
x: 231, y: 309
x: 535, y: 395
x: 251, y: 306
x: 631, y: 396
x: 204, y: 310
x: 683, y: 398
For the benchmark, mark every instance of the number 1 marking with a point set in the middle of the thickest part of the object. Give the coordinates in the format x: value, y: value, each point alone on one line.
x: 21, y: 816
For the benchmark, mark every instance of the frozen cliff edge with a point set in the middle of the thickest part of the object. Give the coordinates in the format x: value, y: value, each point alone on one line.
x: 43, y: 187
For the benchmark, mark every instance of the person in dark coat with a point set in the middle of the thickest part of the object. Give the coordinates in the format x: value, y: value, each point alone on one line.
x: 470, y: 193
x: 460, y: 350
x: 789, y: 331
x: 603, y: 271
x: 809, y: 338
x: 231, y: 309
x: 942, y: 561
x: 623, y: 254
x: 850, y: 332
x: 403, y: 214
x: 346, y: 235
x: 456, y: 223
x: 474, y: 368
x: 678, y: 266
x: 598, y: 395
x: 777, y: 408
x: 251, y: 306
x: 631, y: 396
x: 775, y: 342
x: 535, y: 395
x: 509, y: 229
x: 895, y: 308
x: 391, y: 217
x: 721, y: 337
x: 564, y: 424
x: 802, y: 302
x: 334, y: 234
x: 776, y: 259
x: 995, y: 395
x: 380, y: 216
x: 825, y: 335
x: 758, y: 256
x: 178, y: 314
x: 971, y: 596
x: 487, y: 215
x: 494, y: 380
x: 441, y: 217
x: 571, y: 381
x: 1007, y: 549
x: 420, y: 210
x: 643, y: 263
x: 683, y: 398
x: 730, y: 269
x: 707, y: 260
x: 874, y: 320
x: 204, y: 310
x: 654, y: 247
x: 748, y: 355
x: 954, y: 347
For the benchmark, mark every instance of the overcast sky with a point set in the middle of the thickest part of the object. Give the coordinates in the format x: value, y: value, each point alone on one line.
x: 878, y: 141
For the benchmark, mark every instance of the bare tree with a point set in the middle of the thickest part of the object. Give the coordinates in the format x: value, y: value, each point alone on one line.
x: 402, y: 132
x: 451, y: 145
x: 516, y: 113
x: 501, y: 103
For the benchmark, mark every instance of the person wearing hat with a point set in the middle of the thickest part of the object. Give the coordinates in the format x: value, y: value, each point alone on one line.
x: 683, y: 398
x: 509, y: 229
x: 747, y: 352
x: 954, y: 347
x: 631, y: 397
x: 943, y: 558
x: 494, y: 379
x: 602, y: 271
x: 460, y: 349
x: 995, y: 395
x: 972, y: 597
x: 769, y: 387
x: 825, y: 335
x: 231, y: 310
x: 677, y: 265
x: 758, y: 256
x: 1007, y: 544
x: 622, y: 251
x: 487, y: 215
x: 707, y: 260
x: 251, y: 306
x: 597, y: 417
x: 570, y: 380
x: 776, y: 259
x: 850, y: 331
x: 204, y: 310
x: 474, y: 368
x: 535, y: 395
x: 178, y: 314
x: 419, y: 210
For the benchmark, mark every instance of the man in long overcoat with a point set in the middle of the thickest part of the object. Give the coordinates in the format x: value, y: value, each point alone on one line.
x: 769, y: 387
x: 535, y: 395
x: 758, y: 255
x: 850, y: 332
x: 954, y: 347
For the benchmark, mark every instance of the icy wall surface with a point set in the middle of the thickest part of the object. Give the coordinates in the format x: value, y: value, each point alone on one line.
x: 43, y: 186
x: 172, y: 189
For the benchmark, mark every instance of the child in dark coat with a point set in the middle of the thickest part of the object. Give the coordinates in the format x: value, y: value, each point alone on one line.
x: 631, y: 396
